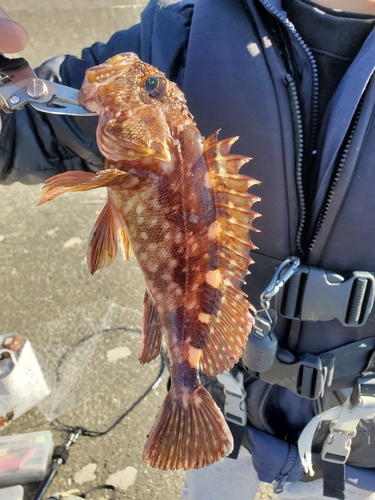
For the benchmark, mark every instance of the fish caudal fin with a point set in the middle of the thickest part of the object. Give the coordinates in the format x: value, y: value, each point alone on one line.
x: 189, y: 432
x: 227, y: 328
x: 85, y: 181
x: 152, y: 333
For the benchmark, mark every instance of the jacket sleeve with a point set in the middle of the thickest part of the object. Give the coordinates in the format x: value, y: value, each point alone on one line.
x: 35, y: 145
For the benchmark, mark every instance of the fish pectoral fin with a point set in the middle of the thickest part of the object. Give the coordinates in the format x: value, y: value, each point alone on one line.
x: 125, y: 245
x: 175, y: 443
x: 152, y: 333
x: 102, y: 246
x: 85, y: 181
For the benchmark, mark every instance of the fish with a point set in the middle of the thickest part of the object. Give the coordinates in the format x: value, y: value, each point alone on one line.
x: 178, y: 203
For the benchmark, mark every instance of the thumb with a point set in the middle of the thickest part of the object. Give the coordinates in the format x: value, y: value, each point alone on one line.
x: 13, y: 38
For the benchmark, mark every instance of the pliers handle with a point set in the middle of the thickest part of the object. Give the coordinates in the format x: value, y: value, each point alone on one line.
x: 19, y: 85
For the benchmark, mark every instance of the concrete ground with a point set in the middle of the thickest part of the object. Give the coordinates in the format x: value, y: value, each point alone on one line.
x: 85, y: 330
x: 74, y: 320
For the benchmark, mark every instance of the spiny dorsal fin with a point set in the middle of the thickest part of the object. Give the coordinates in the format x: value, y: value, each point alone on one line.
x: 227, y: 328
x: 152, y: 333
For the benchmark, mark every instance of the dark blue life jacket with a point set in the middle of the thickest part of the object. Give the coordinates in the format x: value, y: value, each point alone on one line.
x: 240, y: 78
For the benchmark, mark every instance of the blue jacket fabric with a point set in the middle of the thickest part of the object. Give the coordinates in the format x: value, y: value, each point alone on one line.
x: 225, y: 58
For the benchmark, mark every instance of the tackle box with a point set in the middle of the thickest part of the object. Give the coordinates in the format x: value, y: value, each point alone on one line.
x: 12, y: 493
x: 25, y: 458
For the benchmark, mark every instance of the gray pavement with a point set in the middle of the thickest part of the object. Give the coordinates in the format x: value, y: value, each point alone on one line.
x: 85, y: 330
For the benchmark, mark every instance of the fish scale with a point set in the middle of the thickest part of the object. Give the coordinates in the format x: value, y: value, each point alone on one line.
x: 179, y: 204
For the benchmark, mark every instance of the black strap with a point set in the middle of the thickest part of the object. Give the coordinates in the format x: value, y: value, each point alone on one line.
x: 238, y: 433
x: 309, y: 374
x: 334, y: 480
x: 352, y: 358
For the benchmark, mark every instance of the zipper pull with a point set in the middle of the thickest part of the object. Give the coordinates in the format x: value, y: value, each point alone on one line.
x: 279, y: 483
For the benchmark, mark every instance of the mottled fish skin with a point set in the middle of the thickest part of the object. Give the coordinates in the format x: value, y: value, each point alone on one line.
x: 178, y: 202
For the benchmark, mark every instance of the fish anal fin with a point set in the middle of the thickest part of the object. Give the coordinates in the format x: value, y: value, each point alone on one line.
x: 125, y: 245
x: 189, y: 432
x: 152, y: 333
x: 85, y: 181
x: 102, y: 245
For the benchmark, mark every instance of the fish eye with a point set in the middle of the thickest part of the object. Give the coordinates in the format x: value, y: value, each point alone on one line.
x: 156, y: 86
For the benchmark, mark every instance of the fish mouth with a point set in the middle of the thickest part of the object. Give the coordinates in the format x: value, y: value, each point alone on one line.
x: 87, y: 97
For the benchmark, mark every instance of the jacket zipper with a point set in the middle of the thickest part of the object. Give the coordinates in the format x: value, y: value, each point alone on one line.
x: 339, y: 169
x: 293, y: 86
x: 299, y: 153
x: 278, y: 485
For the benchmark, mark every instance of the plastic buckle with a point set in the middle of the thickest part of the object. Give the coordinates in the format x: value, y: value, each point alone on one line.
x: 305, y: 376
x: 235, y: 397
x: 364, y: 386
x: 336, y: 448
x: 313, y: 294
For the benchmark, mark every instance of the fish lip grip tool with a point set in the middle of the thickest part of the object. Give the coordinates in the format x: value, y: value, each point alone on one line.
x: 19, y: 85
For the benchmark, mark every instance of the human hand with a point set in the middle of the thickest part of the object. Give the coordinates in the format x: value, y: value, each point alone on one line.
x: 13, y: 38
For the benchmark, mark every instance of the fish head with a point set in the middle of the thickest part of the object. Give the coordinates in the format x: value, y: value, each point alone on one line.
x: 139, y: 108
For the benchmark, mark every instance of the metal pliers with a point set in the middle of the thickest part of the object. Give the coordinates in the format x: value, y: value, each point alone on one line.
x: 19, y: 85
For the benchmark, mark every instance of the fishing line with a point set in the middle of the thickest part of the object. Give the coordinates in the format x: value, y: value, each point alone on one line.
x: 71, y: 348
x: 60, y: 426
x: 61, y: 453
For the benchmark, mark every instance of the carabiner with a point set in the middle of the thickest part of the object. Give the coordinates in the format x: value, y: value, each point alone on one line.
x: 283, y: 273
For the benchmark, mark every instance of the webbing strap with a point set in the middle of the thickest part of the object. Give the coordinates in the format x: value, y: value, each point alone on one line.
x: 369, y: 370
x: 334, y: 480
x: 351, y: 358
x: 314, y: 294
x: 337, y: 445
x: 308, y: 375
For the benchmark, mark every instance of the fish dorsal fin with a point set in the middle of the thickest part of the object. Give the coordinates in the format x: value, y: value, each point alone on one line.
x: 102, y: 246
x: 125, y: 245
x: 152, y: 333
x: 228, y: 327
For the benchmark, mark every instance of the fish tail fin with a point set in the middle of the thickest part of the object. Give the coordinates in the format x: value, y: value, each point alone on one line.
x: 189, y: 432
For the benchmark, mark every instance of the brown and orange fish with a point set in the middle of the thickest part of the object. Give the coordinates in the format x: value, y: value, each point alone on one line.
x: 178, y: 202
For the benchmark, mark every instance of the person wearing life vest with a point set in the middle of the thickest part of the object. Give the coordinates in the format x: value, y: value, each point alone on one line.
x: 295, y: 81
